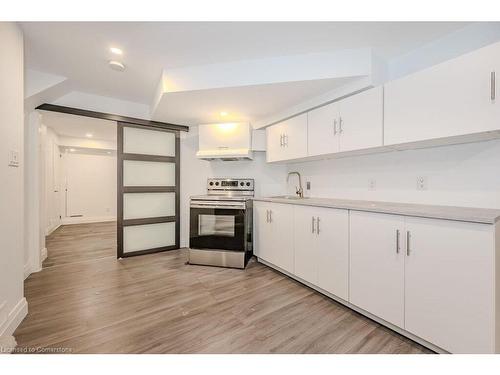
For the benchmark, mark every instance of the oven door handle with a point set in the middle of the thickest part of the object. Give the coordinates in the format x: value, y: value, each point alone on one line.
x: 218, y: 206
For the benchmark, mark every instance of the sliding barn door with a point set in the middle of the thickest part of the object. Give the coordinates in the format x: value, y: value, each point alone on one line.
x: 148, y: 189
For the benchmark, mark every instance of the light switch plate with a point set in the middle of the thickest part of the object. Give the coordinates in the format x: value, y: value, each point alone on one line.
x: 372, y: 184
x: 308, y: 185
x: 421, y: 183
x: 13, y: 158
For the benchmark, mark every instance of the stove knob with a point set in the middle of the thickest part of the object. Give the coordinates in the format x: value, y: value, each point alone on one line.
x: 217, y: 184
x: 248, y: 183
x: 242, y: 183
x: 211, y: 183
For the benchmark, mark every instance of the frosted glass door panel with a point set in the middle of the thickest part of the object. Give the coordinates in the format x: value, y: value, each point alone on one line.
x: 148, y: 142
x: 148, y: 173
x: 146, y: 205
x: 149, y: 236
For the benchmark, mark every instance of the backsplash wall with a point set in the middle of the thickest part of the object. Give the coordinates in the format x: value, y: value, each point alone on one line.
x: 461, y: 175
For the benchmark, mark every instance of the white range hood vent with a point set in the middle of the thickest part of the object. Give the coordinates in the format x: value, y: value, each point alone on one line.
x: 225, y: 141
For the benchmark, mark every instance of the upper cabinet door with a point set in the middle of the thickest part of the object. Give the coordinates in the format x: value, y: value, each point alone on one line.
x: 361, y: 120
x: 377, y: 265
x: 295, y: 140
x: 323, y: 127
x: 450, y: 284
x: 454, y: 98
x: 274, y: 139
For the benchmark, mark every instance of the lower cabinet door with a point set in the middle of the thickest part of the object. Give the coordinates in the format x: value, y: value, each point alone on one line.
x: 377, y: 265
x: 281, y: 234
x: 305, y: 243
x: 261, y: 231
x: 332, y: 252
x: 449, y: 284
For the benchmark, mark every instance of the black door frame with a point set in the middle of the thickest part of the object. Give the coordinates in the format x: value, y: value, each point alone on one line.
x: 121, y: 223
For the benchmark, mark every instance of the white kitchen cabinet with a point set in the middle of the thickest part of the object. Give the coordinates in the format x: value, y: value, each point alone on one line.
x: 321, y: 240
x: 273, y: 241
x: 322, y: 134
x: 333, y: 251
x: 361, y: 120
x: 287, y: 140
x: 376, y: 281
x: 450, y: 284
x: 274, y: 143
x: 306, y: 243
x: 453, y: 98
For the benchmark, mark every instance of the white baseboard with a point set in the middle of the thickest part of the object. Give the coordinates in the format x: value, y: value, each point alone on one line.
x: 27, y: 270
x: 7, y: 344
x: 49, y: 231
x: 14, y: 318
x: 43, y: 254
x: 87, y: 219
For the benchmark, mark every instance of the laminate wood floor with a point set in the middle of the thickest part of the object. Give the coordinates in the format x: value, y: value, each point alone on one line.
x: 91, y: 302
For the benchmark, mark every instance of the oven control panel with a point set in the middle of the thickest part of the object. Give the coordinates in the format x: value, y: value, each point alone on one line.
x: 230, y: 184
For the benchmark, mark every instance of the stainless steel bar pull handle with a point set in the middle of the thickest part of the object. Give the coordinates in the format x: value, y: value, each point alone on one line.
x: 281, y: 140
x: 285, y: 140
x: 317, y: 225
x: 340, y: 125
x: 493, y: 85
x: 334, y: 126
x: 313, y: 222
x: 398, y: 247
x: 408, y: 236
x: 267, y: 216
x: 270, y: 216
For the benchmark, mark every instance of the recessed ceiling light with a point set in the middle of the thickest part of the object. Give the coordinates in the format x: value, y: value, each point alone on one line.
x: 223, y: 113
x: 72, y: 150
x: 116, y: 51
x: 116, y: 65
x: 89, y: 135
x: 109, y: 152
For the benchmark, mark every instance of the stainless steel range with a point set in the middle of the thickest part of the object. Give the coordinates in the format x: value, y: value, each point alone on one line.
x: 221, y: 223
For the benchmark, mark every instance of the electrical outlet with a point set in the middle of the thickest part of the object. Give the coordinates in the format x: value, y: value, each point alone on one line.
x: 372, y: 184
x: 308, y: 185
x: 421, y: 183
x: 13, y: 158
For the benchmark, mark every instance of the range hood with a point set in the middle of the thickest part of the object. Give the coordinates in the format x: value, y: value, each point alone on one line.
x: 225, y: 141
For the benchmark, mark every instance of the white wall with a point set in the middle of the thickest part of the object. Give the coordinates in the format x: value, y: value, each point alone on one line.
x: 269, y: 179
x: 460, y: 175
x: 13, y: 307
x: 90, y: 178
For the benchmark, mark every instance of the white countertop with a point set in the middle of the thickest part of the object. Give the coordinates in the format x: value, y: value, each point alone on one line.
x: 470, y: 214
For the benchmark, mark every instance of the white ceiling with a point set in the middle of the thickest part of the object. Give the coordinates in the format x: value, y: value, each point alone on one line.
x: 245, y: 103
x: 78, y: 126
x: 80, y: 51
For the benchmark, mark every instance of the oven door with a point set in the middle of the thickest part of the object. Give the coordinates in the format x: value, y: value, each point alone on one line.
x: 217, y: 226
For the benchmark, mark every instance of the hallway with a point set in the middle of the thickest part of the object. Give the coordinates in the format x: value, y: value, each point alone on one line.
x: 80, y: 242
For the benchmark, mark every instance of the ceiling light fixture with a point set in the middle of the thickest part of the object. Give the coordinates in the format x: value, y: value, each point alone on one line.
x: 116, y: 51
x: 116, y: 65
x: 72, y: 150
x: 89, y: 135
x: 223, y: 113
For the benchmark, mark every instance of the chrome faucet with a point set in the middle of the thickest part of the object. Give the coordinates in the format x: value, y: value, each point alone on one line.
x: 298, y: 190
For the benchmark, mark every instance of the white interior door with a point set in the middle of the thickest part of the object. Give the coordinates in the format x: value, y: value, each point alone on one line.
x: 148, y: 189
